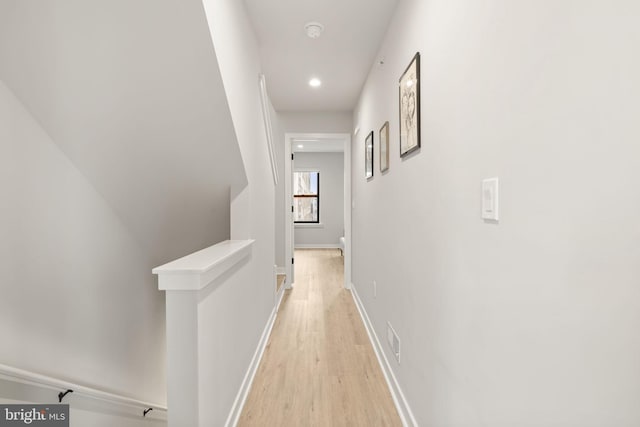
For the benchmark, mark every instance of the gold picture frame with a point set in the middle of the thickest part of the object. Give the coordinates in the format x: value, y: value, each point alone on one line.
x: 384, y: 147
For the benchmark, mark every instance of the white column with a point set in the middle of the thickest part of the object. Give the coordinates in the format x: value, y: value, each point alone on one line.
x: 182, y: 358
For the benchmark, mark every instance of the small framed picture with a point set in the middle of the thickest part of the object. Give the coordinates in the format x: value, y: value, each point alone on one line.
x: 368, y: 156
x: 384, y: 147
x: 409, y: 92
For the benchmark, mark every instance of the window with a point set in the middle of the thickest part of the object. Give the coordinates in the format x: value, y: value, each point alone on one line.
x: 306, y: 197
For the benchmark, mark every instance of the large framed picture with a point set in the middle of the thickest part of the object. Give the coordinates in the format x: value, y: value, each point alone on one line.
x: 409, y: 92
x: 384, y: 147
x: 368, y: 156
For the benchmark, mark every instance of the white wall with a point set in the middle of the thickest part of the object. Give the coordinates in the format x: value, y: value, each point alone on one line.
x: 118, y: 153
x: 300, y: 122
x: 132, y: 94
x: 315, y: 122
x: 331, y: 227
x: 533, y: 321
x: 238, y: 311
x: 78, y: 300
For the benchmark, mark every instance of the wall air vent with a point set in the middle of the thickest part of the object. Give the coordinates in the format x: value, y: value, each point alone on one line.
x: 394, y: 341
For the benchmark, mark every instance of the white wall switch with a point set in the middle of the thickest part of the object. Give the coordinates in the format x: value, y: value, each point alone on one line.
x: 490, y: 206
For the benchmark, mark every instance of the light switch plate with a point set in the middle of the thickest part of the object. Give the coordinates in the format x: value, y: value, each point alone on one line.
x: 490, y: 206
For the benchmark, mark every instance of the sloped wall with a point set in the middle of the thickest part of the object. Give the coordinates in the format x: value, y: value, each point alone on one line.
x: 118, y: 154
x: 132, y: 94
x: 77, y: 300
x: 533, y: 321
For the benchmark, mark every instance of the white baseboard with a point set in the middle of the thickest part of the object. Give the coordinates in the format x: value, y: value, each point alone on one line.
x: 317, y: 246
x: 404, y: 410
x: 245, y: 387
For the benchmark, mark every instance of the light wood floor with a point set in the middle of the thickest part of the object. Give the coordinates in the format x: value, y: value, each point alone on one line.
x: 319, y: 368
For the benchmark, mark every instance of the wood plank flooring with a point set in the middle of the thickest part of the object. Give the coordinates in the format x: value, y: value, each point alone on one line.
x: 319, y: 368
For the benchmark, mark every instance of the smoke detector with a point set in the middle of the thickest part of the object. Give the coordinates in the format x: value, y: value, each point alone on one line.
x: 313, y: 29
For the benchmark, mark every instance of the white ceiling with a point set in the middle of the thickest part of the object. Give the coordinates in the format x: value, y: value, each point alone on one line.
x: 341, y: 57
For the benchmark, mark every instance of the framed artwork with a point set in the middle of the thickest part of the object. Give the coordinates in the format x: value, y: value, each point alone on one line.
x: 409, y: 92
x: 384, y: 147
x: 368, y: 156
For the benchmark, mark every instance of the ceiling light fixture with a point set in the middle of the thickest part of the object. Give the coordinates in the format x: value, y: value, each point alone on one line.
x: 314, y: 82
x: 300, y: 146
x: 313, y: 29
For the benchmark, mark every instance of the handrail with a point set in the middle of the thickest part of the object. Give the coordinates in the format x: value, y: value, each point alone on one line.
x: 197, y: 270
x: 31, y: 378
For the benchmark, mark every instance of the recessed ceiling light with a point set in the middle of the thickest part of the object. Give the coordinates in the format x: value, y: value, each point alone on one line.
x: 300, y: 146
x: 314, y: 82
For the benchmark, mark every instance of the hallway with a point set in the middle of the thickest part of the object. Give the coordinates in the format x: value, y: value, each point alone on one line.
x: 319, y: 368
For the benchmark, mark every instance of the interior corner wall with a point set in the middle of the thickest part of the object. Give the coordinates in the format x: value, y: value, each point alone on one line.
x: 78, y: 301
x: 280, y: 205
x: 301, y: 122
x: 238, y: 58
x: 532, y: 321
x: 331, y: 227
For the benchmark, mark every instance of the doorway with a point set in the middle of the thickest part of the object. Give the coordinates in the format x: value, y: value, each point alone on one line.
x: 313, y: 175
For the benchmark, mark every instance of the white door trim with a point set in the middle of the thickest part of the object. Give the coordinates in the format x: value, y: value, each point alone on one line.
x: 288, y: 177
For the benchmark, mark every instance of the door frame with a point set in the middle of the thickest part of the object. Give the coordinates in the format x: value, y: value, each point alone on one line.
x: 288, y: 177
